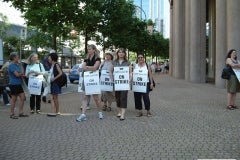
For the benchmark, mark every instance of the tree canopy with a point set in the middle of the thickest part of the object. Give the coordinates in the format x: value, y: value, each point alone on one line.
x: 109, y: 22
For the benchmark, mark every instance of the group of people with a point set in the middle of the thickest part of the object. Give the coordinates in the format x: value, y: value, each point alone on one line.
x: 93, y: 63
x: 17, y: 76
x: 20, y: 74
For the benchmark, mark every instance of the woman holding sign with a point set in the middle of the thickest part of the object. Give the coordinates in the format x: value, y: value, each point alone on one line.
x: 142, y: 83
x: 35, y: 69
x: 90, y: 65
x: 122, y: 70
x: 106, y: 82
x: 233, y: 85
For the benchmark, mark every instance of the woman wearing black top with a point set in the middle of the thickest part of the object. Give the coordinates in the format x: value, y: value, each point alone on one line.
x: 92, y: 63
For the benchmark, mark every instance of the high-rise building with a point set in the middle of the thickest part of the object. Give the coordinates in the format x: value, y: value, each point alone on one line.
x: 157, y: 11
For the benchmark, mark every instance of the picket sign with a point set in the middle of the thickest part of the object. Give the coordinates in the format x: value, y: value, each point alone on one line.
x: 140, y: 79
x: 237, y: 73
x: 121, y: 78
x: 91, y: 82
x: 35, y: 84
x: 106, y: 83
x: 80, y: 82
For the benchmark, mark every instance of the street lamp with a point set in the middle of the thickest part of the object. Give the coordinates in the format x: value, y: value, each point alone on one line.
x: 140, y: 8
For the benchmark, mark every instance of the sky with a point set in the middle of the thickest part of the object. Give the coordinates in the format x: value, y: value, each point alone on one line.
x: 14, y: 16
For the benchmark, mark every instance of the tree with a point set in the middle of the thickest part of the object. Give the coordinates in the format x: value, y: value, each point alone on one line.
x: 55, y: 17
x: 4, y: 26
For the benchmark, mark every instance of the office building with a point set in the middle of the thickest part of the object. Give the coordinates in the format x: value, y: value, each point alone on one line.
x: 201, y: 33
x: 157, y: 11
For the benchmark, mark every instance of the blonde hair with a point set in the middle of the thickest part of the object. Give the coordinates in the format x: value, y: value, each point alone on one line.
x: 96, y: 51
x: 29, y: 59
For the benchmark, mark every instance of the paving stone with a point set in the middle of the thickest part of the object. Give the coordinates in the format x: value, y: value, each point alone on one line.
x: 189, y: 121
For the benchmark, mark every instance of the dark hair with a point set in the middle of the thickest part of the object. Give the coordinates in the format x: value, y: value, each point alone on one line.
x: 140, y: 54
x: 230, y: 52
x: 13, y: 55
x: 53, y: 56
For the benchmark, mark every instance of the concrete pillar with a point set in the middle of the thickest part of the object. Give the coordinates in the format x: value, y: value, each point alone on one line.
x: 178, y: 50
x: 233, y: 25
x: 221, y: 42
x: 171, y: 41
x: 197, y: 41
x: 187, y: 39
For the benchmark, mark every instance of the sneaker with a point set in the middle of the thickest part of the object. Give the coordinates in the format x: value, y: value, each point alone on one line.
x: 100, y: 115
x: 38, y: 111
x: 88, y: 108
x: 8, y: 104
x: 32, y: 111
x: 58, y: 113
x: 13, y: 116
x: 82, y: 117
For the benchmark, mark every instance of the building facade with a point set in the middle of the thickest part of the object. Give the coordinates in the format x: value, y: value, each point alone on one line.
x: 157, y: 11
x: 201, y: 33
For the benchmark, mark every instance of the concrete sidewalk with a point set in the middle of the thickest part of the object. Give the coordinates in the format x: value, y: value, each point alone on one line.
x: 190, y: 121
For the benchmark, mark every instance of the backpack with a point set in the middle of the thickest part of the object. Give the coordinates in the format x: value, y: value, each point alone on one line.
x: 61, y: 81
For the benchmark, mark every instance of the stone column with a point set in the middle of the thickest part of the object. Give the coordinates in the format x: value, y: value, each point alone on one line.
x: 197, y: 41
x: 178, y: 50
x: 171, y: 41
x: 221, y: 42
x: 233, y: 25
x: 187, y: 39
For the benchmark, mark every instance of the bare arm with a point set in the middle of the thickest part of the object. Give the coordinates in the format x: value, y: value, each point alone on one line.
x: 91, y: 68
x: 59, y: 73
x: 230, y: 63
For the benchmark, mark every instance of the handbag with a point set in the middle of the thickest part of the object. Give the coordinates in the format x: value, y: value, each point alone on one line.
x: 226, y: 72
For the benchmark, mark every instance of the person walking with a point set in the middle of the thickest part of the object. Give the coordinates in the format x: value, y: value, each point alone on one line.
x: 233, y: 85
x: 16, y: 75
x: 121, y: 96
x: 107, y: 96
x: 4, y: 83
x: 34, y: 68
x: 138, y: 96
x: 92, y: 63
x: 55, y: 89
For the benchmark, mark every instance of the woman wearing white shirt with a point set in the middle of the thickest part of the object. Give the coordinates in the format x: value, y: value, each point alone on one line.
x: 34, y: 68
x: 145, y: 96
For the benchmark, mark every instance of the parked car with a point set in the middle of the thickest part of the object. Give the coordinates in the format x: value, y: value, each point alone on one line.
x: 73, y: 73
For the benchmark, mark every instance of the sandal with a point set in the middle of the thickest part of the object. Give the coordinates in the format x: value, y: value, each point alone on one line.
x: 149, y: 114
x: 230, y: 107
x: 23, y: 115
x: 109, y: 109
x: 13, y: 116
x: 139, y: 114
x: 104, y: 108
x: 235, y: 107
